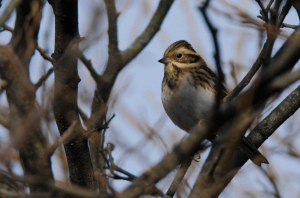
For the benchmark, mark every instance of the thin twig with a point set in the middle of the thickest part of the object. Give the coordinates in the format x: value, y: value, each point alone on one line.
x: 263, y: 11
x: 246, y: 80
x: 104, y: 131
x: 263, y: 57
x: 179, y: 176
x: 285, y: 25
x: 113, y: 167
x: 271, y: 176
x: 99, y: 128
x: 89, y: 66
x: 63, y: 139
x: 43, y: 78
x: 44, y: 54
x: 213, y: 31
x: 118, y: 60
x: 145, y: 37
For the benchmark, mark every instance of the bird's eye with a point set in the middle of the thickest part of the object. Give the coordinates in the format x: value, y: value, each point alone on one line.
x: 179, y: 55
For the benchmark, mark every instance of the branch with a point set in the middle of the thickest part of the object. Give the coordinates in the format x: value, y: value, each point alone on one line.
x: 288, y: 55
x: 187, y: 147
x: 263, y: 57
x: 44, y: 54
x: 89, y: 66
x: 216, y: 167
x: 154, y: 25
x: 83, y: 116
x: 285, y: 10
x: 25, y: 119
x: 269, y: 5
x: 285, y: 80
x: 66, y: 92
x: 272, y: 178
x: 38, y: 48
x: 43, y: 78
x: 283, y: 61
x: 12, y: 5
x: 179, y: 176
x: 213, y: 31
x: 264, y: 12
x: 117, y: 60
x: 112, y: 16
x: 24, y: 36
x: 62, y: 140
x: 285, y: 25
x: 113, y: 167
x: 246, y: 80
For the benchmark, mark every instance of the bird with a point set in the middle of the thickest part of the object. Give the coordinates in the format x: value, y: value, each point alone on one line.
x: 188, y: 92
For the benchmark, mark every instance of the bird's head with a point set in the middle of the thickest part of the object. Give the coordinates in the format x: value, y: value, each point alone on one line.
x: 181, y: 54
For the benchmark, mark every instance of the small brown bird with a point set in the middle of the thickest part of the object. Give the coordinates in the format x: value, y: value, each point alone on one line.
x: 188, y: 91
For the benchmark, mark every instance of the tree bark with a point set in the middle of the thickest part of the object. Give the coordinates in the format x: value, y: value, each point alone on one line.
x: 66, y: 92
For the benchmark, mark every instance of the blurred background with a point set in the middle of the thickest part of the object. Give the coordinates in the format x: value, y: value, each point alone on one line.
x: 141, y: 130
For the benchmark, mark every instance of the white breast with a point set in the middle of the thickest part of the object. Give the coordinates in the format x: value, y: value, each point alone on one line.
x: 186, y: 105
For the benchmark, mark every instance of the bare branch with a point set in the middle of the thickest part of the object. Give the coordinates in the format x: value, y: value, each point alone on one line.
x: 6, y: 27
x: 288, y: 55
x: 113, y: 167
x: 43, y: 78
x: 25, y: 119
x: 187, y: 147
x: 269, y: 5
x: 12, y: 5
x: 117, y: 60
x: 67, y: 135
x: 265, y: 53
x: 154, y: 25
x: 83, y: 115
x: 263, y: 11
x: 38, y: 48
x: 285, y: 25
x: 89, y: 66
x: 44, y: 54
x: 66, y: 92
x: 285, y: 10
x: 246, y: 80
x: 217, y: 165
x: 179, y: 176
x: 213, y: 31
x: 272, y: 178
x: 112, y: 15
x: 285, y: 80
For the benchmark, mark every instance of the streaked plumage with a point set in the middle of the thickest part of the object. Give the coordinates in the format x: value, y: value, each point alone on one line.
x: 189, y: 88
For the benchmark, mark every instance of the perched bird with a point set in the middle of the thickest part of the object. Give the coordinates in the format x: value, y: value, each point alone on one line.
x: 188, y: 91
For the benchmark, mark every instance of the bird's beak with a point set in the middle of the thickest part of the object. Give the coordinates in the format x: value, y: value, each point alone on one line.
x: 165, y: 60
